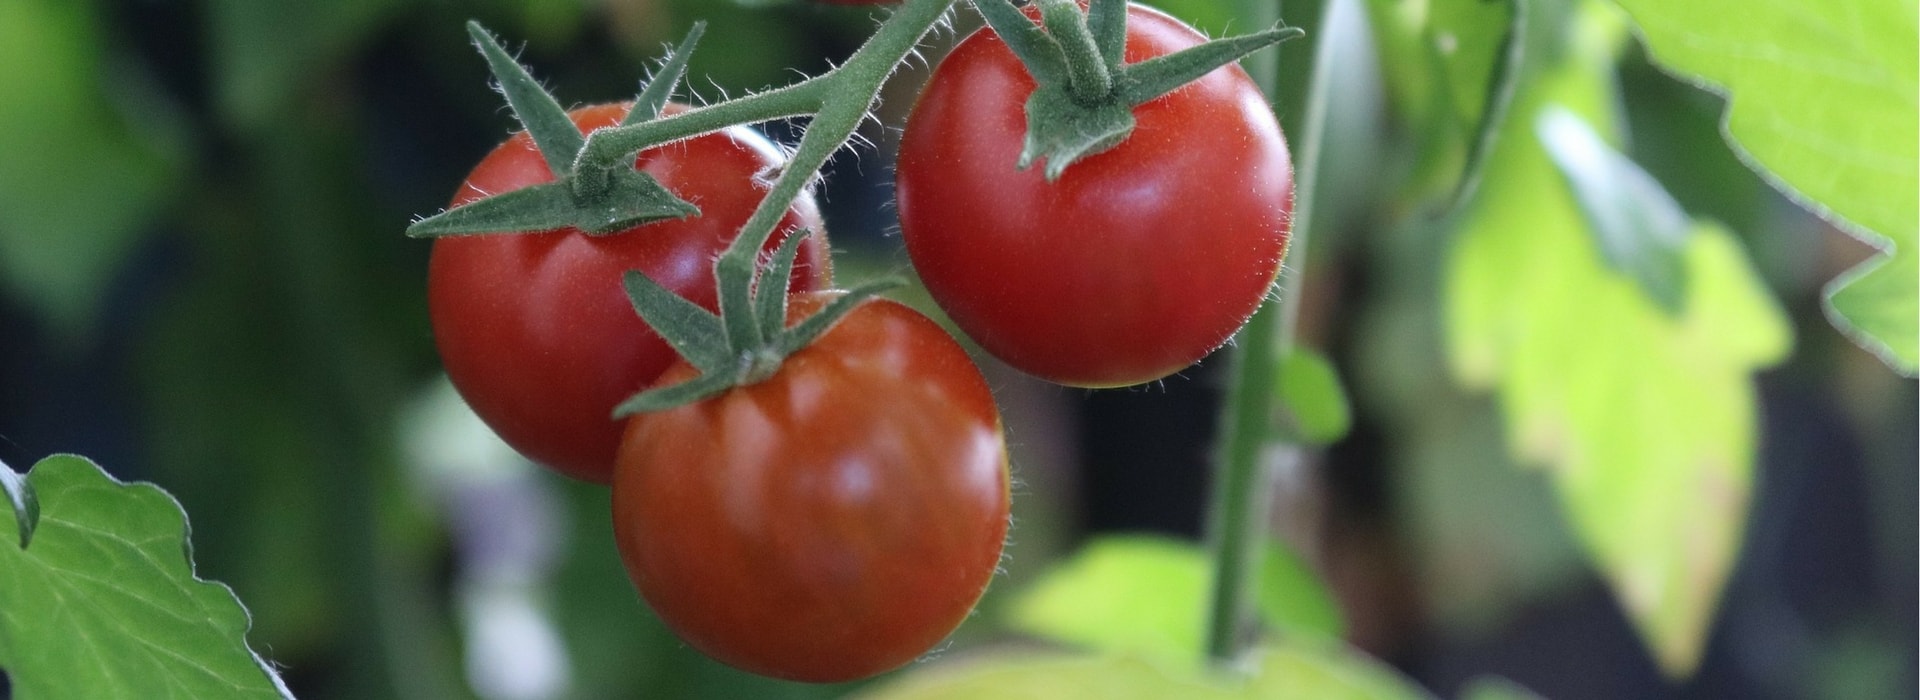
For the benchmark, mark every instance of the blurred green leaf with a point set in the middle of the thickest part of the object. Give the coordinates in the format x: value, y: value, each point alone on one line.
x: 1821, y: 97
x: 1646, y: 420
x: 1290, y: 671
x: 105, y: 603
x: 24, y: 504
x: 87, y: 164
x: 1496, y: 688
x: 1294, y: 600
x: 264, y: 54
x: 1442, y: 59
x: 1146, y: 595
x: 1310, y: 388
x: 1640, y: 229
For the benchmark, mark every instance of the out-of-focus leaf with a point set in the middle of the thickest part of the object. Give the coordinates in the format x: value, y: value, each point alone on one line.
x: 264, y: 53
x: 1496, y: 688
x: 1442, y: 58
x: 1293, y: 599
x: 1289, y: 671
x: 1310, y: 388
x: 24, y: 504
x: 83, y: 171
x: 1146, y: 595
x: 1640, y: 229
x: 1645, y: 420
x: 1822, y: 98
x: 105, y: 603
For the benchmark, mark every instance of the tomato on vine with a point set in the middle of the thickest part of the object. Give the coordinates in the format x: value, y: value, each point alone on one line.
x: 1120, y: 264
x: 830, y: 522
x: 534, y: 328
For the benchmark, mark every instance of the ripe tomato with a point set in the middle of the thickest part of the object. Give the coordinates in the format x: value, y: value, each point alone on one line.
x: 1137, y: 261
x: 832, y: 522
x: 535, y: 329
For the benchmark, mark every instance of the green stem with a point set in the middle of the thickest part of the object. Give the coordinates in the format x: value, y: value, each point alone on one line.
x: 862, y: 74
x: 1249, y: 449
x: 1087, y: 77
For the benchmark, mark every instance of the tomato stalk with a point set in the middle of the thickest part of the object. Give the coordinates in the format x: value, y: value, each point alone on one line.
x: 1250, y: 448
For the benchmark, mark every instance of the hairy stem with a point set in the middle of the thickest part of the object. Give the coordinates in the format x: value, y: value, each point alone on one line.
x: 1249, y: 448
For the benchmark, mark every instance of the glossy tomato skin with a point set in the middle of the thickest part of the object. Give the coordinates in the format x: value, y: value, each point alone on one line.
x: 1137, y: 261
x: 535, y: 329
x: 830, y: 523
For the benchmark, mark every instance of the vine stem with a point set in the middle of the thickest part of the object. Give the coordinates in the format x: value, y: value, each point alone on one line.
x: 1249, y: 448
x: 838, y: 99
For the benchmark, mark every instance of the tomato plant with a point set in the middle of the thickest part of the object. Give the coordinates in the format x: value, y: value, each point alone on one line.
x: 1135, y: 262
x: 831, y: 522
x: 534, y: 329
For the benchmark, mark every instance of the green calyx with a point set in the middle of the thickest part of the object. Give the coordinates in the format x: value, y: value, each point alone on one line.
x: 595, y: 200
x: 748, y: 340
x: 1085, y: 95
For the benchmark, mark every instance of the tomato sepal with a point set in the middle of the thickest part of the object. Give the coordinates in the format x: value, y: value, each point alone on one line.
x: 1085, y: 95
x: 657, y: 90
x: 748, y: 340
x: 596, y: 201
x: 631, y: 198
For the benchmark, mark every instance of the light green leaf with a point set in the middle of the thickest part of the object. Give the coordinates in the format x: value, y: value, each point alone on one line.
x: 1146, y: 595
x: 1496, y: 688
x: 1290, y: 671
x: 89, y: 161
x: 1821, y: 100
x: 1639, y: 228
x: 21, y: 500
x: 1442, y: 59
x: 104, y: 604
x: 1293, y: 599
x: 1310, y: 389
x: 1645, y: 420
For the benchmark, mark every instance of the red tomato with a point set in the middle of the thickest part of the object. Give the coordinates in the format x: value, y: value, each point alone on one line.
x: 832, y: 522
x: 1133, y: 265
x: 535, y: 329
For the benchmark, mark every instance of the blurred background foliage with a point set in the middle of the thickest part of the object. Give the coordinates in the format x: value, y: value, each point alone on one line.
x: 203, y: 283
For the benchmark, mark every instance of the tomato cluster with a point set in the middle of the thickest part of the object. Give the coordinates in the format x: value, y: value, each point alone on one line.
x: 828, y: 501
x: 534, y: 329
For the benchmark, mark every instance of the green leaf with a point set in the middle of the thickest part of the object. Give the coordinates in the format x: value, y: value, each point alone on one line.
x: 1146, y: 596
x: 26, y: 507
x: 1646, y: 420
x: 106, y: 605
x: 1310, y: 389
x: 1451, y: 66
x: 1821, y: 100
x: 92, y: 158
x: 1496, y: 688
x: 1640, y: 229
x: 1505, y: 75
x: 1289, y: 671
x: 1293, y: 599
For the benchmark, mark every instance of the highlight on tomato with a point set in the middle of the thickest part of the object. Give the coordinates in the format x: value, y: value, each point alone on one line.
x: 830, y: 522
x: 534, y: 328
x: 1107, y: 267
